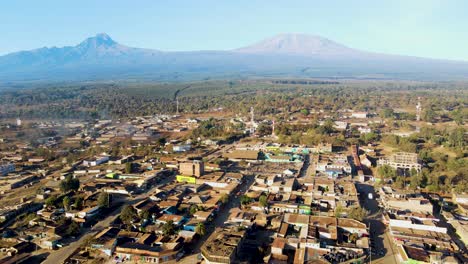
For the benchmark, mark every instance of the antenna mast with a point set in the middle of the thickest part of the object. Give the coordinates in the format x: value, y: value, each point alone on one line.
x: 177, y: 105
x: 418, y: 109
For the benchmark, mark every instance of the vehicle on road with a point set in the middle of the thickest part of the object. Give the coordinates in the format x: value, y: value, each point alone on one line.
x: 370, y: 196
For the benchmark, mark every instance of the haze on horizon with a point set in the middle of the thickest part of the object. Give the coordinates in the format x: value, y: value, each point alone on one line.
x: 433, y: 29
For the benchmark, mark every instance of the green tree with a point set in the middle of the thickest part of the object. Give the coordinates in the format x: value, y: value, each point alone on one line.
x: 415, y: 182
x: 305, y: 112
x: 69, y: 184
x: 73, y: 229
x: 358, y: 213
x: 386, y: 171
x: 338, y: 210
x: 264, y: 129
x: 263, y: 201
x: 128, y: 167
x: 244, y: 199
x: 145, y: 214
x: 50, y: 202
x: 327, y: 127
x: 162, y: 141
x: 367, y: 138
x: 193, y: 209
x: 200, y: 229
x: 399, y: 182
x: 429, y: 115
x: 66, y: 203
x: 128, y: 214
x: 457, y: 138
x: 103, y: 200
x: 169, y: 228
x: 78, y: 204
x: 224, y: 198
x: 387, y: 113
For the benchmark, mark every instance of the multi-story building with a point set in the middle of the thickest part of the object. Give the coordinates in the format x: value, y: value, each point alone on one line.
x: 223, y: 246
x: 194, y: 168
x: 402, y: 160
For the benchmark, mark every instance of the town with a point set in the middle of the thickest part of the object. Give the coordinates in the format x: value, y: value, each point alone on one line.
x: 218, y: 187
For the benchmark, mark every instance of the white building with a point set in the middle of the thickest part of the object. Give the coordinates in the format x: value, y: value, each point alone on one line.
x: 96, y: 160
x: 182, y: 148
x: 359, y: 114
x: 340, y: 125
x: 364, y: 130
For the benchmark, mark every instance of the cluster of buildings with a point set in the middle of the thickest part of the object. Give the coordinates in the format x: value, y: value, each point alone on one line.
x: 300, y: 214
x: 417, y: 233
x: 251, y: 201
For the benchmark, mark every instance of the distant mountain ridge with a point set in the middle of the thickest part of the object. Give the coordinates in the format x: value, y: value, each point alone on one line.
x: 299, y: 44
x: 284, y: 55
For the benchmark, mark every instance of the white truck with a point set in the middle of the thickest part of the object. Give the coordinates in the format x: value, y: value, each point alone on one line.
x: 370, y: 196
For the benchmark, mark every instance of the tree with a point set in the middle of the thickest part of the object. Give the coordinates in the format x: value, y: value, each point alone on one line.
x: 78, y: 204
x: 128, y: 214
x: 327, y: 127
x: 358, y: 213
x: 457, y: 138
x: 200, y: 229
x: 459, y: 115
x: 224, y: 198
x: 245, y: 199
x: 386, y: 113
x: 429, y: 115
x: 193, y: 209
x: 386, y: 171
x: 145, y: 214
x: 305, y: 112
x: 264, y: 129
x: 369, y: 137
x: 338, y: 210
x: 128, y: 167
x: 399, y: 182
x: 69, y: 184
x: 263, y: 200
x: 73, y: 229
x: 103, y: 200
x: 66, y: 203
x: 169, y: 228
x: 51, y: 201
x: 162, y: 141
x: 415, y: 181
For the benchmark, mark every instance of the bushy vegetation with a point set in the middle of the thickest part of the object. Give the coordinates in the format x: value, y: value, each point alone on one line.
x: 101, y: 100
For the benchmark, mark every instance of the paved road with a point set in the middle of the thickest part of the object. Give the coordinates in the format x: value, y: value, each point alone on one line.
x: 378, y: 233
x: 59, y: 256
x: 305, y: 167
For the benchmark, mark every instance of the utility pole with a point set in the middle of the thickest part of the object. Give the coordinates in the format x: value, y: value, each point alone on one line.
x: 418, y: 109
x: 252, y: 120
x: 177, y: 105
x: 273, y: 129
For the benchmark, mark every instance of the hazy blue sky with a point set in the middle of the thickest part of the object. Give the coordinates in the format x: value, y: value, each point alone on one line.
x: 429, y: 28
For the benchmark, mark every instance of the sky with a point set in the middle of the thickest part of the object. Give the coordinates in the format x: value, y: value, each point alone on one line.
x: 425, y: 28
